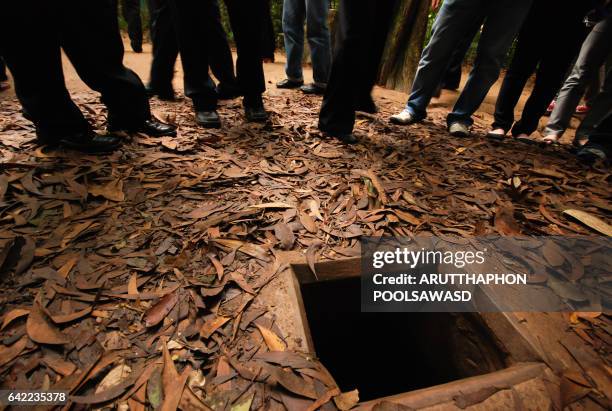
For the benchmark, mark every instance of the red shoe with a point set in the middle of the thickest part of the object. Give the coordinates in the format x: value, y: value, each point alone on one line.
x: 582, y: 109
x: 550, y: 107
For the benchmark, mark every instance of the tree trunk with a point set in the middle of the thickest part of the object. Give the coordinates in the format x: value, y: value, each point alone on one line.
x: 404, y: 45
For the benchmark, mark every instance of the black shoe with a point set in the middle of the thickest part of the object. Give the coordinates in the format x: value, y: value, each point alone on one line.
x: 155, y: 128
x: 313, y: 88
x: 256, y: 113
x: 288, y: 83
x: 208, y: 119
x: 137, y: 47
x: 345, y: 138
x: 151, y: 127
x: 367, y: 106
x: 85, y: 142
x: 227, y: 92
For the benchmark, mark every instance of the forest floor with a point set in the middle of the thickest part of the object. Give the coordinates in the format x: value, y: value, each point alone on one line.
x: 137, y: 277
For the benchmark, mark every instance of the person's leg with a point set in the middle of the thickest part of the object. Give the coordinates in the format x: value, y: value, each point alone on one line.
x: 557, y: 58
x: 601, y: 108
x: 294, y: 13
x: 98, y: 59
x: 452, y: 78
x: 189, y: 18
x: 131, y: 14
x: 453, y: 22
x: 528, y: 52
x: 503, y: 21
x: 247, y: 19
x: 362, y: 24
x: 319, y: 39
x: 268, y: 36
x: 337, y: 116
x: 599, y: 144
x: 370, y: 67
x: 593, y: 54
x: 165, y: 49
x: 220, y: 55
x: 33, y: 56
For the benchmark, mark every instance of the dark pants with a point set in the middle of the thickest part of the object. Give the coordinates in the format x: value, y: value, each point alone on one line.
x: 89, y: 35
x: 549, y: 57
x: 3, y: 76
x: 502, y: 21
x: 246, y: 19
x: 268, y: 36
x: 131, y: 13
x: 593, y: 54
x: 363, y: 27
x: 166, y: 49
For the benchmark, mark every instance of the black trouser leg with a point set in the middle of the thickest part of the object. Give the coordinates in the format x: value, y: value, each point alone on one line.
x: 523, y: 65
x: 220, y: 55
x: 32, y: 53
x: 357, y: 33
x: 165, y: 47
x: 3, y: 76
x: 383, y: 14
x: 550, y: 75
x: 131, y: 14
x: 246, y: 18
x: 190, y: 18
x: 90, y: 37
x: 554, y: 56
x: 268, y: 37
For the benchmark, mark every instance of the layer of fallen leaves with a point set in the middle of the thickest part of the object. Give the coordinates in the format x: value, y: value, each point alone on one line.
x: 133, y: 278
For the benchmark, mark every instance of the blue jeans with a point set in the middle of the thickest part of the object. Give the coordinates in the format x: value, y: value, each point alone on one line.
x: 502, y: 20
x: 315, y: 13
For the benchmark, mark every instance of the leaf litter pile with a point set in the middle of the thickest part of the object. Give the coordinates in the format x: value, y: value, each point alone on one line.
x: 134, y: 279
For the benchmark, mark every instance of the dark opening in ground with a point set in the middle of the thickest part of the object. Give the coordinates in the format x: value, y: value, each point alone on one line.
x: 384, y: 354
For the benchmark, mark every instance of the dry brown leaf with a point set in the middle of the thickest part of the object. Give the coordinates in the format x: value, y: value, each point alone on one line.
x: 284, y: 234
x: 113, y: 191
x: 13, y: 315
x: 253, y: 250
x: 133, y: 284
x: 41, y: 330
x: 272, y: 340
x: 160, y: 310
x: 505, y: 223
x: 296, y: 384
x: 382, y: 195
x: 308, y: 222
x: 590, y: 221
x: 66, y: 318
x: 277, y: 204
x: 64, y: 270
x: 114, y: 377
x: 211, y: 326
x: 7, y: 354
x: 347, y: 400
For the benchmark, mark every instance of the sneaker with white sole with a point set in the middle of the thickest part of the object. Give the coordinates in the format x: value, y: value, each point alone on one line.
x: 459, y: 130
x: 403, y: 118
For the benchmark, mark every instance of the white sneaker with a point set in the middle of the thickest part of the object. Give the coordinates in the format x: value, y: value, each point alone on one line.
x: 403, y: 118
x: 459, y: 130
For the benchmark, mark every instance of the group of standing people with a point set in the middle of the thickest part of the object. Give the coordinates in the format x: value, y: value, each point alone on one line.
x: 88, y: 33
